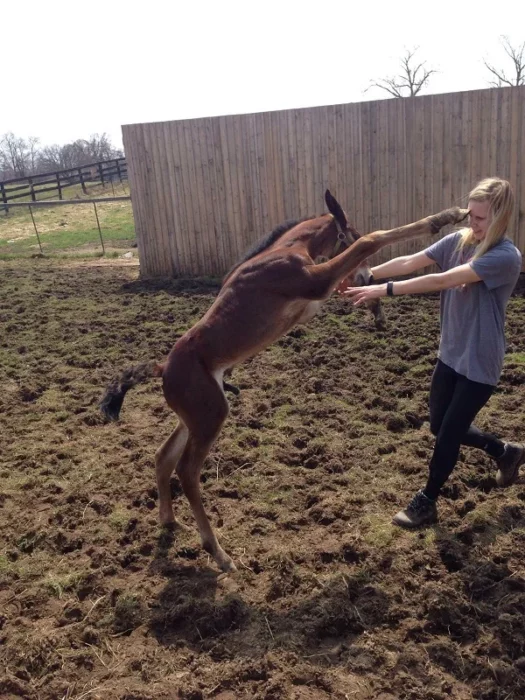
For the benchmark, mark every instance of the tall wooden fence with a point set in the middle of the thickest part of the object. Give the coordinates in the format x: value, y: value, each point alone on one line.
x: 29, y: 188
x: 203, y: 190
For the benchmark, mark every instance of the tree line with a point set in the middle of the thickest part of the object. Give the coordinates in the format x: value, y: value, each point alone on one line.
x: 24, y: 157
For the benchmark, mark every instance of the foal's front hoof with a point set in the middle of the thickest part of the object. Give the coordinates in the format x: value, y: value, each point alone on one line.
x: 227, y: 565
x: 223, y: 561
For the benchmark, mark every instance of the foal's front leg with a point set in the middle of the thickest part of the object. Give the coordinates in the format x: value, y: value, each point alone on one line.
x: 379, y: 315
x: 320, y: 280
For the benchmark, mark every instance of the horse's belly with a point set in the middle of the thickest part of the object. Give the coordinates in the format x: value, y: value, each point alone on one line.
x: 309, y: 311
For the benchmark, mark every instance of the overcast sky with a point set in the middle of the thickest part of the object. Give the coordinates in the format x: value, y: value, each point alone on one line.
x: 71, y: 69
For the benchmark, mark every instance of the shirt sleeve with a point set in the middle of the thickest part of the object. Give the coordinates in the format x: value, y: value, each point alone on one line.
x: 498, y: 267
x: 439, y: 251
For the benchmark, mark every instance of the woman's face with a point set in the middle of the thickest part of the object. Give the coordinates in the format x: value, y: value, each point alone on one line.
x: 479, y: 219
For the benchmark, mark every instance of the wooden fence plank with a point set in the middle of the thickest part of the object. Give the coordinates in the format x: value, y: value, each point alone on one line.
x: 306, y: 166
x: 519, y: 155
x: 181, y: 262
x: 139, y: 200
x: 154, y: 227
x: 185, y: 205
x: 140, y: 193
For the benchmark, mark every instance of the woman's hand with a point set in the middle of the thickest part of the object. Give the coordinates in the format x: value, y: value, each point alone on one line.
x: 360, y: 295
x: 343, y: 285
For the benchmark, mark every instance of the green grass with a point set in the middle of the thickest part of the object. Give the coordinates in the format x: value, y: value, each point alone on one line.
x: 379, y: 531
x: 66, y: 230
x: 58, y: 584
x: 54, y: 242
x: 119, y: 518
x: 517, y: 357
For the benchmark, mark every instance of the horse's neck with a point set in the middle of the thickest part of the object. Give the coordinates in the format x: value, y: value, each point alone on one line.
x: 321, y: 242
x: 312, y: 234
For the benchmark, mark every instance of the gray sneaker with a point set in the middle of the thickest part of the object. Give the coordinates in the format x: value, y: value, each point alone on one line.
x: 509, y: 463
x: 420, y: 511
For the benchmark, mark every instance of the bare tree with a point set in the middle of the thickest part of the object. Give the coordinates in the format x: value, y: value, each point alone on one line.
x: 50, y: 158
x: 32, y: 153
x: 21, y: 158
x: 99, y: 147
x: 80, y: 152
x: 412, y: 78
x: 13, y: 155
x: 517, y: 57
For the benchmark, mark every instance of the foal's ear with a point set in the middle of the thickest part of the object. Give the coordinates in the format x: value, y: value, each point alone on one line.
x: 335, y: 208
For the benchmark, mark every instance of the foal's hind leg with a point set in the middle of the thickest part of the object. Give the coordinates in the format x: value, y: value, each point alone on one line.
x: 166, y: 459
x: 188, y: 471
x: 204, y: 425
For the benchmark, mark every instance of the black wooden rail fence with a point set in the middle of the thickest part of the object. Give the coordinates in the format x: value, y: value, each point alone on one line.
x: 104, y: 172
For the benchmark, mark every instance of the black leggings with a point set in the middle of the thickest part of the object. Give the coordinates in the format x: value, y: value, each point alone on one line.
x: 454, y: 403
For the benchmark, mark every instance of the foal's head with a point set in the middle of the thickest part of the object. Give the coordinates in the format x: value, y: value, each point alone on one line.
x: 332, y: 234
x: 334, y: 237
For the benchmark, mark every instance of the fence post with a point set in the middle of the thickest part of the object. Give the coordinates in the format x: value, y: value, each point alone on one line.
x: 33, y: 196
x: 101, y: 173
x: 81, y: 176
x: 59, y: 186
x: 118, y: 169
x: 4, y: 198
x: 99, y: 231
x: 36, y: 230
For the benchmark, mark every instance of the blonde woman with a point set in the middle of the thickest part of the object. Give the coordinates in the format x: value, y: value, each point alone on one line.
x: 479, y: 269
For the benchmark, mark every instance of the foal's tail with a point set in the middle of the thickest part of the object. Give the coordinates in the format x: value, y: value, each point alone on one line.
x: 112, y: 400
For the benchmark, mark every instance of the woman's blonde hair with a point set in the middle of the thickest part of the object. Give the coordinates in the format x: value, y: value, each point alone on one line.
x: 498, y: 193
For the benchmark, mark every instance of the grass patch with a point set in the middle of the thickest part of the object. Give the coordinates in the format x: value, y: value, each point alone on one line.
x: 63, y: 228
x: 516, y: 358
x: 484, y: 522
x: 129, y: 613
x: 58, y: 584
x: 119, y: 518
x: 28, y: 568
x: 379, y: 532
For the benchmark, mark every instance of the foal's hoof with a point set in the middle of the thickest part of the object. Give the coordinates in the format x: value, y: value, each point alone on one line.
x: 228, y: 566
x: 224, y: 562
x: 172, y: 525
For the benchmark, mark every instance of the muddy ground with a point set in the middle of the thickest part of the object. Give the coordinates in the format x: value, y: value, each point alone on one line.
x: 327, y: 440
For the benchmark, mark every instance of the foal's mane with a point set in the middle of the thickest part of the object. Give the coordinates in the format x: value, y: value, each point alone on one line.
x: 268, y: 240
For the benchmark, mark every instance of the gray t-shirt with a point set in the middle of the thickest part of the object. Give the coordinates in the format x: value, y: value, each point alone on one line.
x: 473, y: 316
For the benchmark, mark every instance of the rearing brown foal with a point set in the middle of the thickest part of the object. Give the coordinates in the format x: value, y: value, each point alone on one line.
x: 277, y: 286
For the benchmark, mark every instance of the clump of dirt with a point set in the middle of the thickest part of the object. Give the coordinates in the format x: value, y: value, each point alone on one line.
x: 328, y: 438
